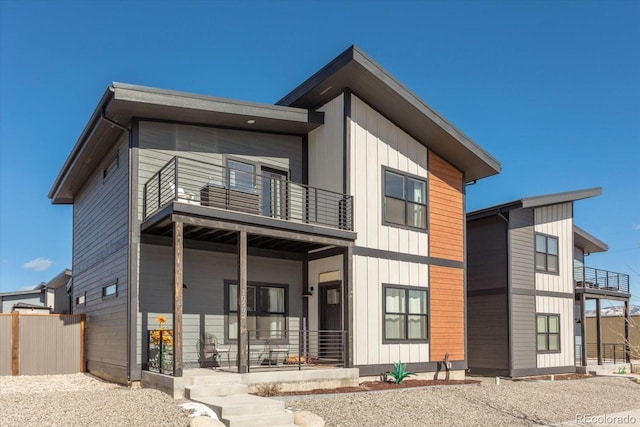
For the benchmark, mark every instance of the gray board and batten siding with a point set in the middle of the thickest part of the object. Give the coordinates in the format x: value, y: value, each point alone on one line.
x: 487, y: 307
x: 100, y: 258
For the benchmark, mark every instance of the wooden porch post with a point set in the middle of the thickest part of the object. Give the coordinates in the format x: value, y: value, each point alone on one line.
x: 583, y: 330
x: 243, y: 336
x: 347, y: 299
x: 15, y: 343
x: 627, y: 347
x: 177, y: 297
x: 598, y: 331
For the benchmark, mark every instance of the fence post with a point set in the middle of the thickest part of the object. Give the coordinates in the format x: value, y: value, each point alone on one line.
x: 83, y: 324
x: 15, y: 343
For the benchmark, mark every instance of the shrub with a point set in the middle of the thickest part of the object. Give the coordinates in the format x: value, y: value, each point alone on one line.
x: 399, y: 372
x: 268, y: 390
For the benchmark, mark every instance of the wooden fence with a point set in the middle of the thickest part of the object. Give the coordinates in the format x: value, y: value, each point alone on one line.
x: 42, y: 344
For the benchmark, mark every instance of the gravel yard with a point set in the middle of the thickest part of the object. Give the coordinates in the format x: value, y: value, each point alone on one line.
x: 512, y: 403
x: 82, y: 400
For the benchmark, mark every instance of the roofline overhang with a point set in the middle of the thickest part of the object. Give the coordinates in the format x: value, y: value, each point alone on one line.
x: 587, y: 242
x: 536, y: 201
x: 353, y: 70
x: 122, y: 102
x: 60, y: 280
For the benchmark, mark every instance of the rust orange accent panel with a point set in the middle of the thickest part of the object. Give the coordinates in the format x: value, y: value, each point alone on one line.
x: 447, y: 312
x: 446, y: 210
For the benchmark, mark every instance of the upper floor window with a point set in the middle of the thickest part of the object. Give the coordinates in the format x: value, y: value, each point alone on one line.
x: 242, y: 176
x: 113, y: 165
x: 405, y: 314
x: 546, y: 253
x: 548, y: 332
x: 405, y: 200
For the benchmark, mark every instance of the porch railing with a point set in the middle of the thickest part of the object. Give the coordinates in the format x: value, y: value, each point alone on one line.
x: 594, y: 278
x: 269, y: 194
x: 610, y: 352
x: 296, y: 349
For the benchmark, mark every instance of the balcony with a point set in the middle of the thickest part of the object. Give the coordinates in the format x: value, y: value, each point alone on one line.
x: 194, y: 182
x: 593, y: 278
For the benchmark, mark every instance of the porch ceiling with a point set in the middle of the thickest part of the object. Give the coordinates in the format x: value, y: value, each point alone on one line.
x: 222, y: 234
x: 227, y: 237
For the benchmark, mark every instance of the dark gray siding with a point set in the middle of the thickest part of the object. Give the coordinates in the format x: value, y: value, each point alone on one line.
x: 487, y: 254
x: 487, y: 281
x: 521, y: 241
x: 488, y: 334
x: 523, y: 333
x: 100, y: 236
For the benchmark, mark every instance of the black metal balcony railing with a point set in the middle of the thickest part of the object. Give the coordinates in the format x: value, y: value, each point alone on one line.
x: 200, y: 183
x: 295, y: 349
x: 587, y: 277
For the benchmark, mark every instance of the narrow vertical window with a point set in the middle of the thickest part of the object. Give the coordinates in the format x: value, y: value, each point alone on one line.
x: 546, y: 253
x: 548, y: 333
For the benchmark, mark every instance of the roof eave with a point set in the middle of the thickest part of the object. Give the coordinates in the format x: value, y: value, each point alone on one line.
x: 557, y: 198
x: 586, y: 241
x: 354, y: 70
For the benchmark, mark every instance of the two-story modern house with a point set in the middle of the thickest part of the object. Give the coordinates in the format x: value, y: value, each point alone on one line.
x: 329, y: 226
x: 528, y: 286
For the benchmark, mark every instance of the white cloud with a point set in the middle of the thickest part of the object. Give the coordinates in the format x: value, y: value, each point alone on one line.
x: 635, y: 227
x: 38, y: 264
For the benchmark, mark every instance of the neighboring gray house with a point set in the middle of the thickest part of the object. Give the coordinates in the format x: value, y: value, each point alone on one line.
x: 527, y: 286
x: 330, y: 224
x: 53, y: 294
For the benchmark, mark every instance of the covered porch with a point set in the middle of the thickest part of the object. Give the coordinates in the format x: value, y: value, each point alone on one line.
x: 240, y: 298
x: 593, y: 345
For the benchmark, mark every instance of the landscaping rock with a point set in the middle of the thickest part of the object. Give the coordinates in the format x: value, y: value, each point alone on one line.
x: 307, y: 419
x: 203, y: 421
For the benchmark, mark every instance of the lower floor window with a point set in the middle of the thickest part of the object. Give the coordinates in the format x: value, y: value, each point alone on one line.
x: 548, y: 332
x: 405, y: 314
x: 266, y: 314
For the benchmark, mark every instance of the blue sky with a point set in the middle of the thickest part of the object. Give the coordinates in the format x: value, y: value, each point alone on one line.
x: 550, y: 89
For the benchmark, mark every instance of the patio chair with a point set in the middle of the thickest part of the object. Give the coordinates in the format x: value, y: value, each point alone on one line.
x: 211, y: 350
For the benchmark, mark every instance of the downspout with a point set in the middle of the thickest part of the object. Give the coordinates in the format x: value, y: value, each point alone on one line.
x: 130, y: 291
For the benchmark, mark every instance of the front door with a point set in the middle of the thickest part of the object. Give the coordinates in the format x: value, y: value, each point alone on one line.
x: 330, y: 334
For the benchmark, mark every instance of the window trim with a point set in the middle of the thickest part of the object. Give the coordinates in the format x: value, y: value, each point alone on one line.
x: 405, y: 288
x: 111, y: 167
x: 384, y: 196
x: 257, y: 285
x: 559, y: 333
x: 106, y: 290
x: 82, y: 296
x: 546, y: 259
x: 255, y: 173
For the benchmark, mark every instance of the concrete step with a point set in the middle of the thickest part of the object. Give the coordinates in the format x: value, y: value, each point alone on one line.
x: 279, y: 419
x: 211, y: 390
x: 209, y: 378
x: 242, y: 405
